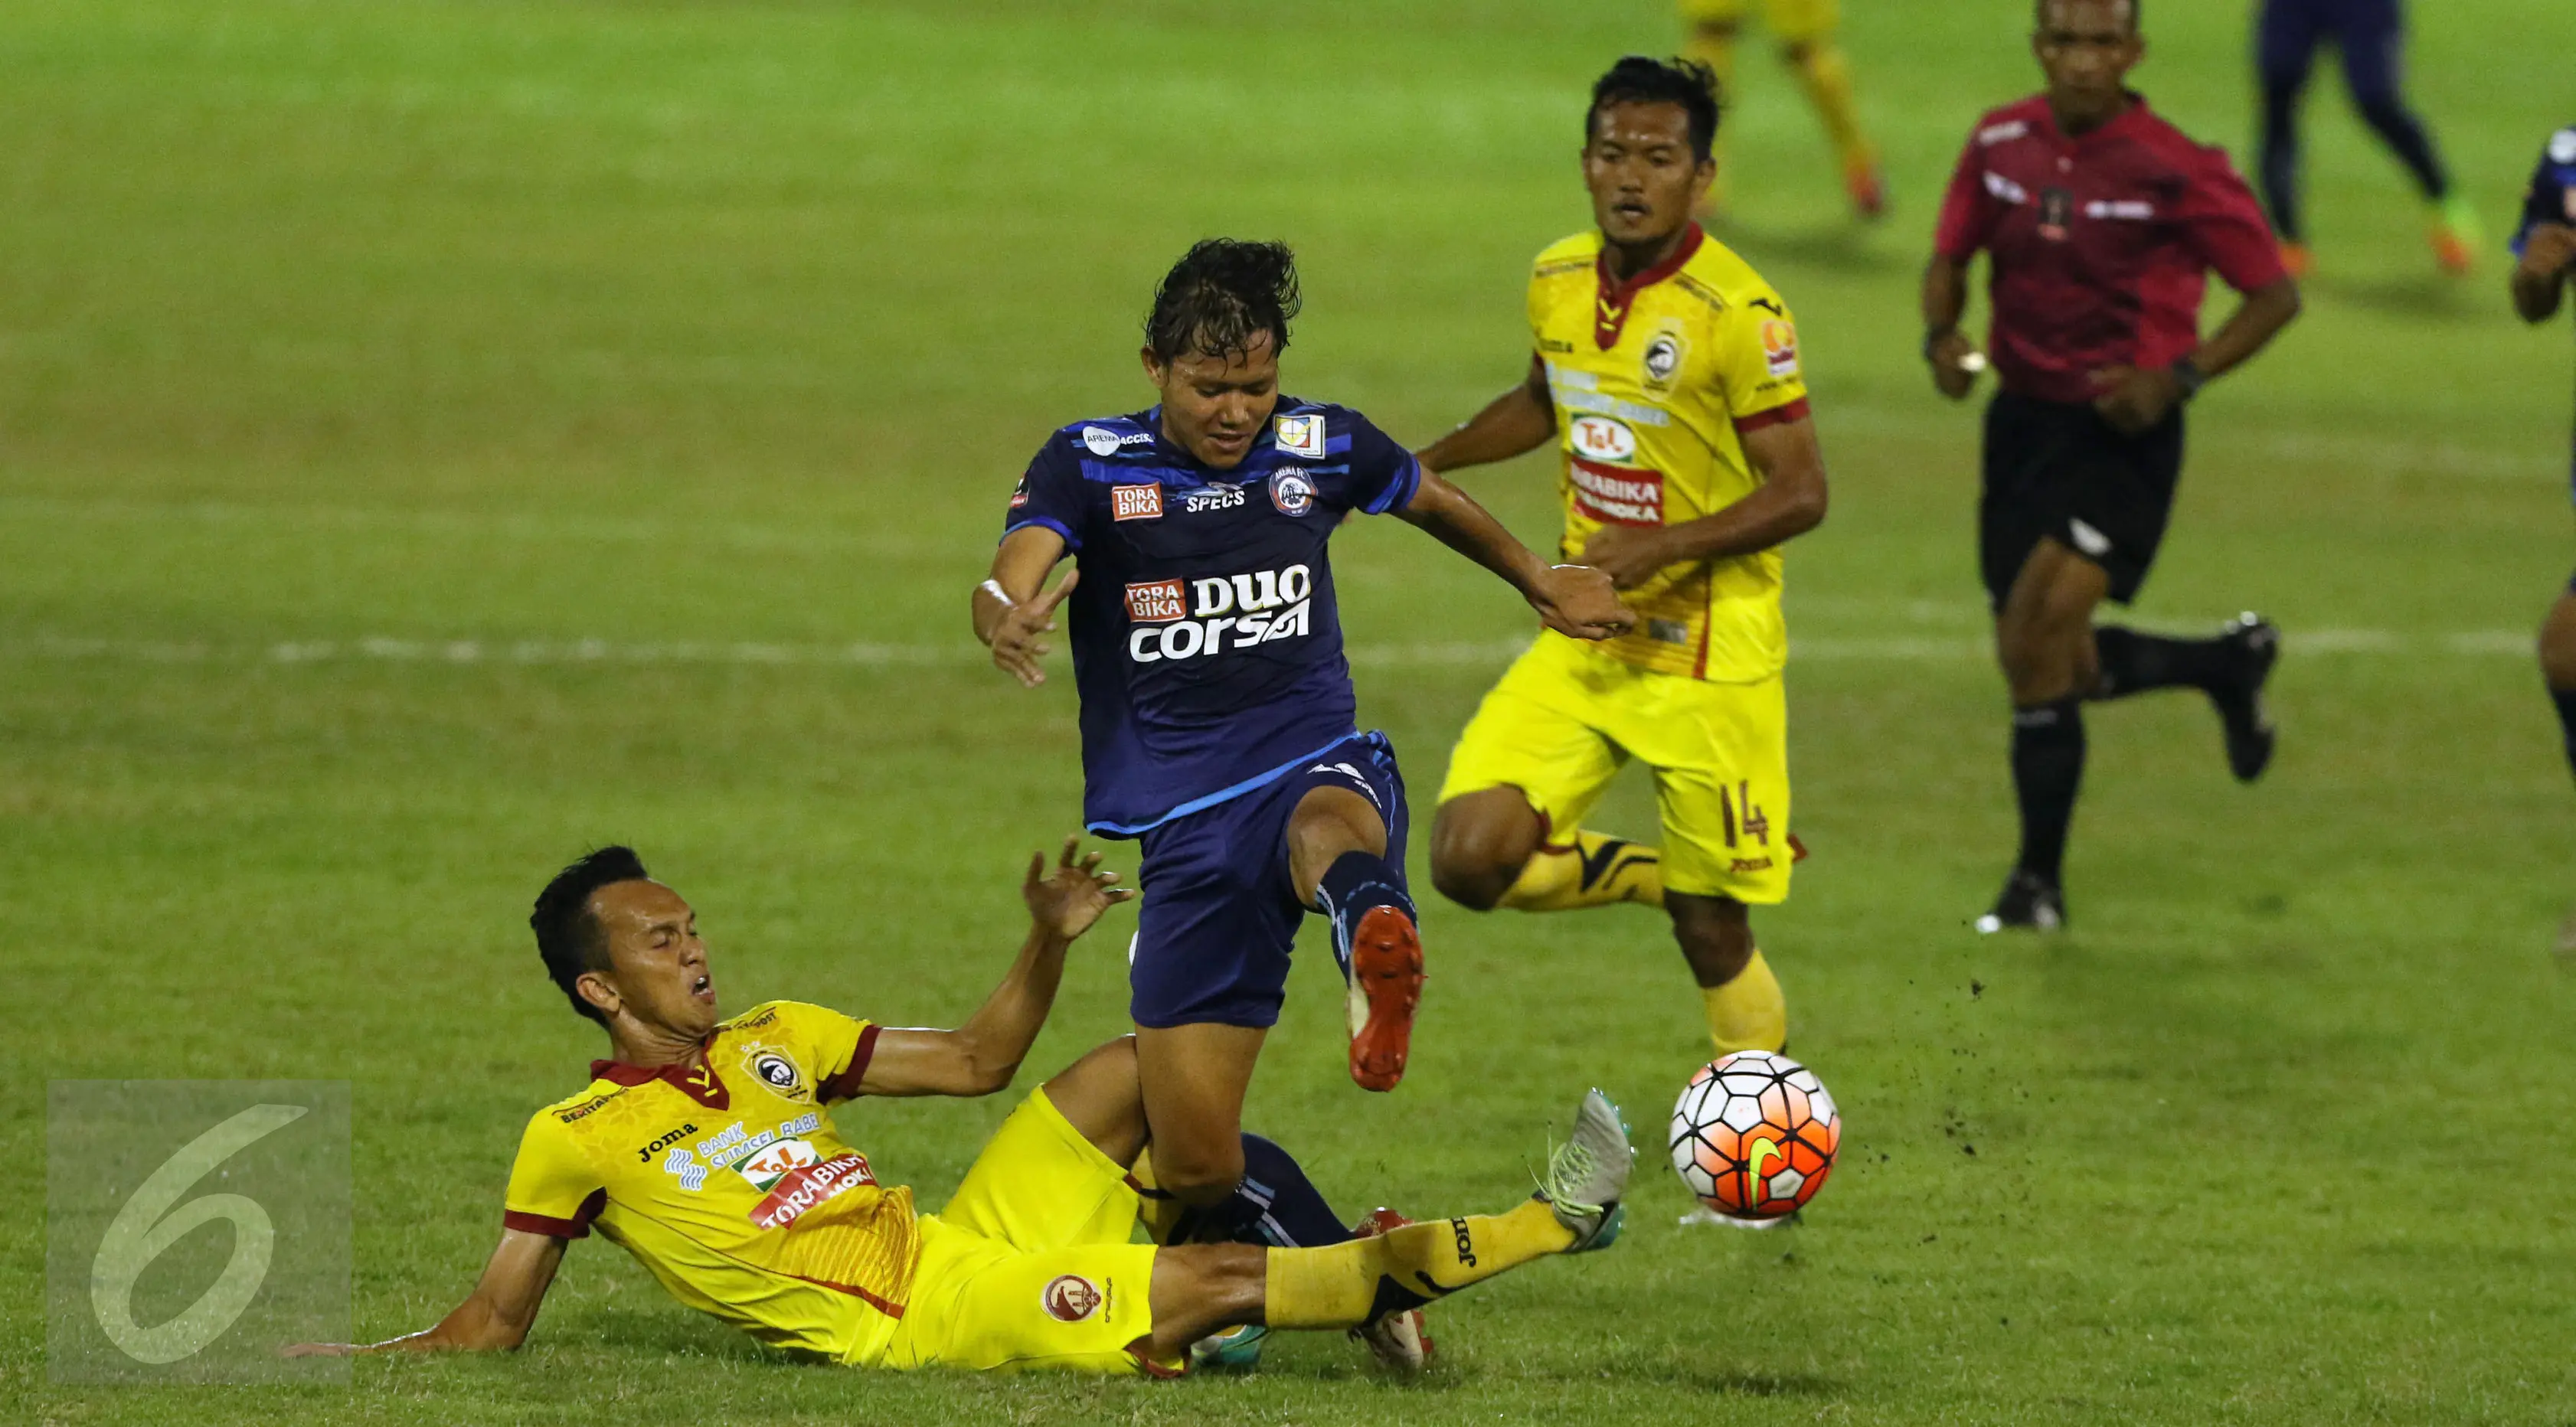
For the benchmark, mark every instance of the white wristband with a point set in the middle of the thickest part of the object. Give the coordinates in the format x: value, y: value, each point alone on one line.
x: 994, y: 588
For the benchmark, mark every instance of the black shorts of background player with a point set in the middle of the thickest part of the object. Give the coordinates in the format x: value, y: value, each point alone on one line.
x: 2100, y: 221
x: 2545, y: 245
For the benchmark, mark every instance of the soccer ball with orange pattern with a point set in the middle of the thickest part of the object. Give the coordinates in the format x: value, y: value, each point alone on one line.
x: 1754, y: 1135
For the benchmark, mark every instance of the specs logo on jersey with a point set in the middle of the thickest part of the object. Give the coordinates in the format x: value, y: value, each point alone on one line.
x: 1780, y: 347
x: 1216, y: 497
x: 2056, y: 210
x: 1135, y: 502
x: 1299, y: 436
x: 1070, y: 1298
x: 1292, y: 493
x: 1602, y: 438
x: 1254, y: 609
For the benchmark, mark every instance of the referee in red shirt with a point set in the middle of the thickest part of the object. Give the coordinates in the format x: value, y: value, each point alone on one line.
x: 2100, y: 221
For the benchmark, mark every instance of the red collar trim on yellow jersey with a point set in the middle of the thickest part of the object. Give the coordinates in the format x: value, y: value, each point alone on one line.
x: 1610, y: 308
x: 695, y: 1079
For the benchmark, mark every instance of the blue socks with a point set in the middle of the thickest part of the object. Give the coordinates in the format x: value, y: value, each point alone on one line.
x: 1356, y: 882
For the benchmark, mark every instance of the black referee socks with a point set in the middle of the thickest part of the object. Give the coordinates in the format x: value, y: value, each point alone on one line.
x: 2133, y: 663
x: 2047, y: 764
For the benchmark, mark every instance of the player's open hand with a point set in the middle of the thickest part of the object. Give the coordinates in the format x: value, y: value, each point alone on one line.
x: 1066, y: 903
x: 2548, y: 250
x: 1017, y: 647
x: 1955, y: 363
x: 2134, y: 399
x: 1581, y: 602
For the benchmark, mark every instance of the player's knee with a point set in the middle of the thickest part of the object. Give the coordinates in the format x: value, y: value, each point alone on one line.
x: 1479, y: 844
x: 1198, y: 1175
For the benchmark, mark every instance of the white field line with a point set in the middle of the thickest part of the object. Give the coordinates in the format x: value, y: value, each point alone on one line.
x: 382, y: 649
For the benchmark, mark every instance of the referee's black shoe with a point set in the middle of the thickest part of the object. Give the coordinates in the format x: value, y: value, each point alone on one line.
x: 2254, y: 643
x: 2029, y: 902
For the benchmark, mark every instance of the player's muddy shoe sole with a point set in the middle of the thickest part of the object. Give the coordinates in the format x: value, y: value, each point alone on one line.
x: 2256, y: 644
x: 2028, y: 903
x: 1386, y: 989
x: 1401, y: 1342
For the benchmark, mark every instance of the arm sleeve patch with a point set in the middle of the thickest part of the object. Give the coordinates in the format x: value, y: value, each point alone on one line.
x: 1050, y: 493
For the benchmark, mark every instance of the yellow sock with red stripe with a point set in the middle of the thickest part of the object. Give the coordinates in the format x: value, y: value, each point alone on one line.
x: 1346, y: 1285
x: 1748, y: 1013
x: 1595, y: 871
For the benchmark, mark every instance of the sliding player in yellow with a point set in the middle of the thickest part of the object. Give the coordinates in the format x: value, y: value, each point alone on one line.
x: 1667, y: 372
x: 1806, y: 31
x: 707, y: 1149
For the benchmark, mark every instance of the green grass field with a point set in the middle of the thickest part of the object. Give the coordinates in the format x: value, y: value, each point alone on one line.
x: 437, y: 436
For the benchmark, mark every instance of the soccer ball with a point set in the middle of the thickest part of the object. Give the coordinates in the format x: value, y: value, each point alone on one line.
x: 1754, y: 1135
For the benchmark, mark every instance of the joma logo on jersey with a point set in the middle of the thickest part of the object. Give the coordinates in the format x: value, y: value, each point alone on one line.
x: 1252, y: 608
x: 1616, y: 496
x: 1135, y: 502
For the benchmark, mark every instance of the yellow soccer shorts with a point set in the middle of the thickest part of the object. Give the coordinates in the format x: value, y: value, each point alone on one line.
x: 1566, y: 717
x: 1030, y: 1266
x: 1790, y: 21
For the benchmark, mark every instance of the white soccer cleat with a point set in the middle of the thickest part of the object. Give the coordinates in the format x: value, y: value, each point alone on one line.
x: 1587, y: 1176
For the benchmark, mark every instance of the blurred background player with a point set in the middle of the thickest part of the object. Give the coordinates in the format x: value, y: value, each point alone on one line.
x: 1806, y: 32
x: 1667, y: 370
x: 1219, y: 726
x: 2099, y: 221
x: 2371, y: 37
x: 2545, y: 246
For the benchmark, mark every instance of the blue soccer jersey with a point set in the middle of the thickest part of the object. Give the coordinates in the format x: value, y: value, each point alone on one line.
x: 1207, y: 646
x: 2552, y: 199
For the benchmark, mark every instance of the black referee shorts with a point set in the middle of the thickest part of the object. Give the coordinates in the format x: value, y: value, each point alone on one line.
x: 2054, y: 468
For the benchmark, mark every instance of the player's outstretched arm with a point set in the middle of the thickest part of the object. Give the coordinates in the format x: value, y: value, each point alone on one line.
x: 1789, y: 503
x: 981, y: 1056
x: 1570, y: 599
x: 496, y: 1316
x: 1008, y: 612
x: 2540, y: 278
x: 1518, y: 421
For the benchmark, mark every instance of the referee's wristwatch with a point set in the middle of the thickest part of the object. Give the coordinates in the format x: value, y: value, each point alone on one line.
x: 2188, y: 375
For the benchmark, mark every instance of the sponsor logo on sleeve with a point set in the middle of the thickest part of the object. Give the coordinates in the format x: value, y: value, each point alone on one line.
x: 1156, y: 602
x: 1780, y: 347
x: 1136, y: 502
x: 1603, y: 438
x: 1293, y: 493
x: 1616, y: 495
x: 1100, y: 440
x: 1300, y: 435
x: 2002, y: 133
x: 1020, y: 493
x: 1070, y: 1298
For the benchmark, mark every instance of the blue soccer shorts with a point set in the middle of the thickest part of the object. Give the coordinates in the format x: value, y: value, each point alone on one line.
x: 1220, y: 912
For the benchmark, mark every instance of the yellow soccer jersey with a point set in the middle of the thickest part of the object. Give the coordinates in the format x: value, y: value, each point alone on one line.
x: 1654, y: 383
x: 729, y: 1183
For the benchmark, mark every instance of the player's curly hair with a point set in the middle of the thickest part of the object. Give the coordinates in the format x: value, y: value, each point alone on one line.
x: 1221, y: 296
x: 1642, y: 79
x: 568, y: 936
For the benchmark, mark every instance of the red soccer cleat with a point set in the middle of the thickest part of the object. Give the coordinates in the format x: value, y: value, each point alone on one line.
x: 1867, y: 185
x: 1386, y: 986
x: 1400, y: 1340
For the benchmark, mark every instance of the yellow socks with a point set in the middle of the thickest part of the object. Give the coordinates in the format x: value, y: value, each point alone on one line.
x: 1827, y: 78
x: 1346, y: 1285
x: 1748, y: 1013
x: 1595, y: 872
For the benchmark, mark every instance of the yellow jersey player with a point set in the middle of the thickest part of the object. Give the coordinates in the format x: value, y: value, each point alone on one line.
x: 707, y: 1148
x: 1667, y: 372
x: 1806, y: 31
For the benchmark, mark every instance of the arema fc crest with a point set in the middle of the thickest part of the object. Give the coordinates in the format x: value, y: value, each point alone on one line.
x: 1293, y: 493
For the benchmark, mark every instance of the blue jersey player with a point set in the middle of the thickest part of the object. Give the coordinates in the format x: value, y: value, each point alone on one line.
x: 1218, y: 721
x: 2545, y: 246
x: 2370, y: 35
